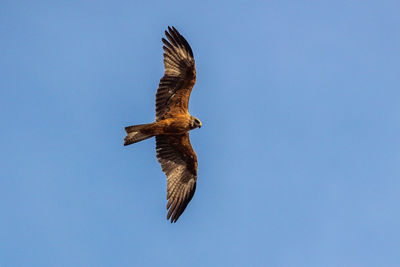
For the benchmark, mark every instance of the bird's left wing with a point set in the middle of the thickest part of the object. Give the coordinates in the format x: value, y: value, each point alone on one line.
x: 175, y: 86
x: 179, y: 163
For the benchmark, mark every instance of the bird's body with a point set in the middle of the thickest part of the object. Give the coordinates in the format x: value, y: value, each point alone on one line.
x: 173, y: 123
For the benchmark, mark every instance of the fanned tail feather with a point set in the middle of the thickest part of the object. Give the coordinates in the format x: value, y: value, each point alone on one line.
x: 137, y: 133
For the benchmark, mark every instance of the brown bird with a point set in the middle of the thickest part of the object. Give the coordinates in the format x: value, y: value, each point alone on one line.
x: 173, y: 123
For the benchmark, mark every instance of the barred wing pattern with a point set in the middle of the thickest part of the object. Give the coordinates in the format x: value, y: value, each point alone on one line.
x: 175, y: 86
x: 179, y: 163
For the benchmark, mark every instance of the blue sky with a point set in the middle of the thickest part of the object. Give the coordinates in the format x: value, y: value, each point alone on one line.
x: 298, y: 154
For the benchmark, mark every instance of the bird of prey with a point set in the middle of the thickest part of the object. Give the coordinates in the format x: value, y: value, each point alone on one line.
x: 173, y: 123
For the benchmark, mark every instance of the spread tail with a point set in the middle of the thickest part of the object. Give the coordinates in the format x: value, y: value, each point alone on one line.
x: 137, y: 133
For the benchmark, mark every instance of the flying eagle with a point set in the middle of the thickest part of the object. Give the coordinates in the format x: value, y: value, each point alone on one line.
x: 173, y: 123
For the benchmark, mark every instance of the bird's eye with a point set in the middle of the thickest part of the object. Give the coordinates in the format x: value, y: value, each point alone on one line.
x: 197, y: 121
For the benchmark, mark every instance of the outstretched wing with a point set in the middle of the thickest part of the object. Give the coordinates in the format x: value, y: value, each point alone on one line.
x: 175, y: 86
x: 179, y: 163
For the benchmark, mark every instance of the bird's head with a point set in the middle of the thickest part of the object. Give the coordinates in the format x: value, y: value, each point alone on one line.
x: 195, y: 123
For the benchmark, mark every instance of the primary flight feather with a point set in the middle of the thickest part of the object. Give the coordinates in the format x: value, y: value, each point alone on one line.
x: 173, y: 123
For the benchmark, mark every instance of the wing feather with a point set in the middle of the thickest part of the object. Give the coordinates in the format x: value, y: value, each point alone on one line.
x: 179, y: 163
x: 175, y: 86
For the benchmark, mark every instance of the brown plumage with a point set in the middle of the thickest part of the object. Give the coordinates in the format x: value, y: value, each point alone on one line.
x: 173, y: 123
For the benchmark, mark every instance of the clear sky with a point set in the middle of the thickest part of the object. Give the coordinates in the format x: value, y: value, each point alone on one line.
x: 298, y: 154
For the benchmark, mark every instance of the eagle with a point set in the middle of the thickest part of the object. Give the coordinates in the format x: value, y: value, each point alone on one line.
x: 173, y: 123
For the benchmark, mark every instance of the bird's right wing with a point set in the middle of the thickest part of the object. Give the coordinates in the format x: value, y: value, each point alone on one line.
x: 175, y: 86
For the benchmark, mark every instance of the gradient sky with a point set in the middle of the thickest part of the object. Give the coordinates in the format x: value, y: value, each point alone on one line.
x: 298, y: 154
